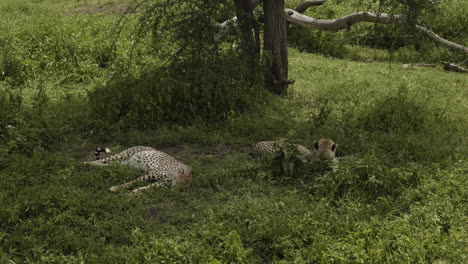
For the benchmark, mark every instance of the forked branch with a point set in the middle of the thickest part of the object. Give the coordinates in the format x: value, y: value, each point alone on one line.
x: 346, y: 22
x: 302, y: 7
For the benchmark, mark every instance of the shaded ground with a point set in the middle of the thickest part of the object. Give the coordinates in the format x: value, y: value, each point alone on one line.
x: 104, y: 9
x: 218, y: 151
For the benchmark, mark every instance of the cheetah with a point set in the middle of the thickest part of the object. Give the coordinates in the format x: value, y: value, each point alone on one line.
x: 103, y: 150
x: 158, y: 166
x: 326, y: 146
x: 322, y: 146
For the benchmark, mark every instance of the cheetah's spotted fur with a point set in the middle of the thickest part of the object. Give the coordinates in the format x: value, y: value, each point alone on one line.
x: 159, y: 166
x: 322, y: 146
x: 270, y: 147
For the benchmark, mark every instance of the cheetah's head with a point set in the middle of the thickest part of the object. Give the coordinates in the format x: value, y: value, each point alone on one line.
x: 99, y: 150
x: 326, y: 145
x: 184, y: 177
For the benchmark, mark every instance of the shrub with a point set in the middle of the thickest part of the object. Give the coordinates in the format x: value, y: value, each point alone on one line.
x: 12, y: 69
x: 317, y: 41
x: 172, y: 95
x: 395, y: 113
x: 196, y: 83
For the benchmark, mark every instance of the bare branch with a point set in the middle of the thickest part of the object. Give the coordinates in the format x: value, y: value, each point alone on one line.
x: 436, y: 38
x: 340, y: 23
x: 302, y: 7
x: 454, y: 67
x: 417, y: 65
x: 347, y: 21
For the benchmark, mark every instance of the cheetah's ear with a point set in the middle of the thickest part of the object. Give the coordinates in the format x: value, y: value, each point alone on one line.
x: 316, y: 146
x: 334, y: 146
x: 181, y: 171
x: 97, y: 151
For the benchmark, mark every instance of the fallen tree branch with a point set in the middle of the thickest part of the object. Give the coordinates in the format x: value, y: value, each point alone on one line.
x: 340, y: 23
x: 436, y: 38
x: 346, y: 22
x: 302, y: 7
x: 454, y: 67
x: 296, y: 17
x: 417, y: 65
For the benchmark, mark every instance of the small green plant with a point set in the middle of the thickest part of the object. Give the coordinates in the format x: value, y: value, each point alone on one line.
x: 288, y: 161
x: 320, y: 117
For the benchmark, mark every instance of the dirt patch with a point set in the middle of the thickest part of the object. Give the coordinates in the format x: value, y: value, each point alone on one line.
x: 105, y: 9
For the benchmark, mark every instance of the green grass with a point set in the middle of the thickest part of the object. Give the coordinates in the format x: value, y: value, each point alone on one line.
x: 400, y: 198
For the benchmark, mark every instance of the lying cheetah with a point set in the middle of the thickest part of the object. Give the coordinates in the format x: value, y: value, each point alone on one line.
x: 159, y: 166
x: 99, y: 151
x: 322, y: 146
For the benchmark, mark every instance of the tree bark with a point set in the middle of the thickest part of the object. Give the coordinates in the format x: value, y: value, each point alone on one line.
x: 275, y: 47
x: 302, y: 7
x: 340, y: 23
x: 250, y: 38
x: 436, y: 38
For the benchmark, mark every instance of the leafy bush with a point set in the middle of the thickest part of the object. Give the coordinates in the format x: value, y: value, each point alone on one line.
x: 395, y: 113
x: 317, y: 41
x: 196, y: 84
x: 11, y: 68
x: 50, y: 48
x: 172, y: 95
x: 44, y: 125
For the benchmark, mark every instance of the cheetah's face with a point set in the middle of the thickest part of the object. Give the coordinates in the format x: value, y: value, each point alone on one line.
x: 101, y: 152
x: 184, y: 177
x: 326, y: 145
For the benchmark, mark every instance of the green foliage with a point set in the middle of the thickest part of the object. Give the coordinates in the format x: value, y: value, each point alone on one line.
x: 316, y: 41
x: 197, y: 84
x: 10, y: 104
x: 426, y: 137
x: 167, y: 96
x: 47, y: 49
x: 43, y: 125
x: 395, y: 113
x: 402, y: 42
x: 288, y: 161
x: 11, y: 69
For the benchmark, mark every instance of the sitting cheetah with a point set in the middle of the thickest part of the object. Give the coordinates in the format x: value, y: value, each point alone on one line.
x: 323, y: 145
x: 159, y: 166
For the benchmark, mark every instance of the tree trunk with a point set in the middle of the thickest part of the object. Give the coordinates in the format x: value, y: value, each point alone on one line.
x: 275, y: 47
x: 249, y: 34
